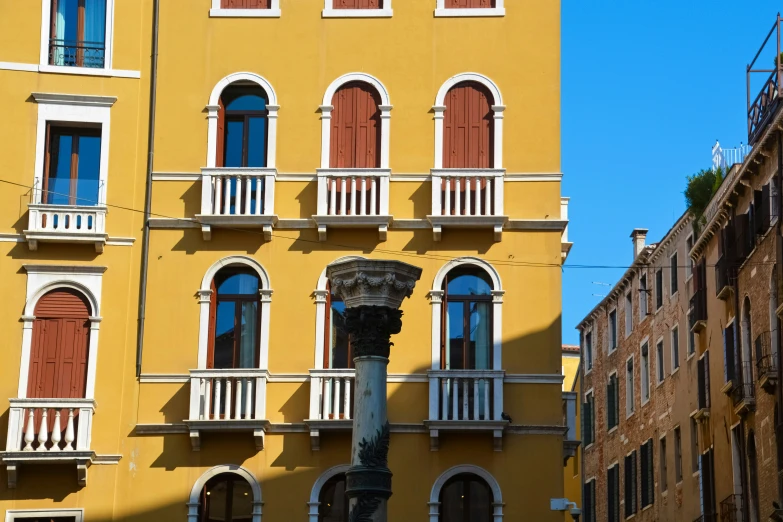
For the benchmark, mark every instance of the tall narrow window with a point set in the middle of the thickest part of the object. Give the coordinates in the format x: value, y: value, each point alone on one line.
x: 613, y: 411
x: 333, y: 504
x: 691, y: 335
x: 78, y: 33
x: 628, y: 314
x: 688, y: 260
x: 694, y: 445
x: 678, y: 454
x: 337, y: 346
x: 646, y: 454
x: 675, y: 348
x: 235, y: 316
x: 629, y: 401
x: 588, y: 503
x: 467, y: 328
x: 612, y: 330
x: 468, y: 126
x: 658, y: 288
x: 630, y: 484
x: 673, y: 279
x: 588, y: 419
x: 645, y: 372
x: 643, y: 297
x: 589, y: 350
x: 664, y: 468
x: 72, y: 166
x: 226, y: 498
x: 660, y: 363
x: 356, y: 128
x: 466, y: 498
x: 242, y: 127
x: 753, y: 476
x: 613, y: 493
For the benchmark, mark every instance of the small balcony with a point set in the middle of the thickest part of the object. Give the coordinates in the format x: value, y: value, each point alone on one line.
x: 466, y: 401
x: 331, y: 403
x: 766, y: 363
x: 353, y: 198
x: 698, y: 306
x: 744, y: 394
x: 570, y: 442
x: 731, y: 508
x: 66, y: 224
x: 467, y: 198
x: 49, y: 431
x: 238, y: 198
x: 71, y: 53
x: 724, y: 278
x: 227, y: 400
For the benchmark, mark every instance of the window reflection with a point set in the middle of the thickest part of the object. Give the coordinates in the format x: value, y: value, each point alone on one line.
x: 226, y: 498
x: 333, y: 502
x: 465, y: 498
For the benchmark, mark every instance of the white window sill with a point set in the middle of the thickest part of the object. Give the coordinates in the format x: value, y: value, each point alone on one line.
x: 614, y: 428
x: 78, y: 71
x: 674, y: 372
x: 357, y: 13
x: 244, y: 13
x: 492, y: 11
x: 690, y: 356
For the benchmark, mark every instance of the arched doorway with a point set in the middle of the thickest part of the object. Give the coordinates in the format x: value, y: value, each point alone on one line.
x: 465, y: 498
x: 333, y: 504
x: 225, y: 493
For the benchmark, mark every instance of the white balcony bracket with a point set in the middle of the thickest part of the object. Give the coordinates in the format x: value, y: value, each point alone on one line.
x: 258, y: 436
x: 315, y: 440
x: 195, y: 440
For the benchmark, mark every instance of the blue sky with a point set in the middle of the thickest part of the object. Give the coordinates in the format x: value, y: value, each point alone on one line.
x: 647, y: 88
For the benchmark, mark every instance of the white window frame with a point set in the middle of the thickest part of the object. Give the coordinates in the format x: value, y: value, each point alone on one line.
x: 42, y: 279
x: 46, y: 25
x: 688, y: 260
x: 497, y: 497
x: 628, y: 311
x: 646, y: 341
x: 676, y: 270
x: 498, y: 109
x: 609, y: 332
x: 71, y: 108
x: 13, y: 515
x: 213, y: 107
x: 589, y: 361
x: 204, y: 298
x: 630, y: 411
x: 660, y: 367
x: 663, y: 285
x: 498, y: 10
x: 218, y: 12
x: 195, y: 493
x: 676, y: 326
x: 330, y: 12
x: 326, y: 109
x: 644, y: 297
x: 617, y: 405
x: 590, y: 392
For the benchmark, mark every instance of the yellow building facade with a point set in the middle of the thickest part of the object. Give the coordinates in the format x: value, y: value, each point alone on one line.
x: 287, y: 134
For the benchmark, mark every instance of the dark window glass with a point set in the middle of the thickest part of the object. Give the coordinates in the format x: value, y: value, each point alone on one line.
x: 245, y: 127
x: 465, y: 498
x: 73, y: 172
x: 226, y: 498
x: 333, y: 502
x: 468, y: 320
x: 236, y: 319
x: 338, y: 344
x: 78, y: 33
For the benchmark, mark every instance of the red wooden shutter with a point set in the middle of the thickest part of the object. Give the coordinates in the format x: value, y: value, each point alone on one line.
x: 467, y: 127
x: 355, y: 135
x: 221, y: 133
x: 244, y: 4
x: 58, y: 358
x: 356, y: 4
x: 212, y: 325
x: 468, y: 4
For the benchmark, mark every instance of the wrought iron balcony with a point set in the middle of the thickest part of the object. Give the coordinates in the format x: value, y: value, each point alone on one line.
x: 466, y: 401
x: 77, y: 53
x: 725, y: 278
x: 731, y: 508
x: 223, y: 400
x: 766, y: 362
x: 331, y: 402
x: 467, y: 198
x: 744, y: 395
x: 698, y: 306
x: 49, y: 431
x: 766, y: 102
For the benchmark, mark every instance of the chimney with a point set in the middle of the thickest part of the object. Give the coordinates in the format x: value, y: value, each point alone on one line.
x: 638, y: 236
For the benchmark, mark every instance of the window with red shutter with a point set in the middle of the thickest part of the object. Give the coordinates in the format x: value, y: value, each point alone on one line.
x: 357, y: 4
x: 244, y: 4
x: 467, y: 127
x: 356, y: 128
x: 469, y: 4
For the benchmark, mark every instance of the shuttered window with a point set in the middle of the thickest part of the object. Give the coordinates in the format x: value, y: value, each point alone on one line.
x: 355, y: 135
x: 467, y: 127
x: 658, y: 289
x: 673, y: 279
x: 630, y: 484
x: 648, y: 491
x: 469, y: 4
x: 244, y: 4
x: 612, y: 396
x: 729, y: 355
x: 357, y: 4
x: 588, y: 502
x: 613, y: 493
x: 703, y: 380
x: 589, y: 420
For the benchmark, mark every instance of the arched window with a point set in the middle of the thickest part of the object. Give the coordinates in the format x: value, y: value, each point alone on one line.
x: 337, y: 342
x: 243, y: 127
x: 466, y: 498
x: 226, y: 498
x: 235, y: 316
x: 753, y: 478
x: 468, y: 130
x: 356, y: 127
x: 333, y: 504
x: 466, y: 327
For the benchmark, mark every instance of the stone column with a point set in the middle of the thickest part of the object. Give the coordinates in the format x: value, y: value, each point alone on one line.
x: 373, y: 291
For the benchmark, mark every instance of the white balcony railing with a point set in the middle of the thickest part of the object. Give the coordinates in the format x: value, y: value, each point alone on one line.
x: 331, y: 394
x: 226, y: 400
x: 467, y: 198
x: 466, y: 395
x: 66, y: 224
x: 50, y: 425
x: 238, y: 197
x: 353, y: 198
